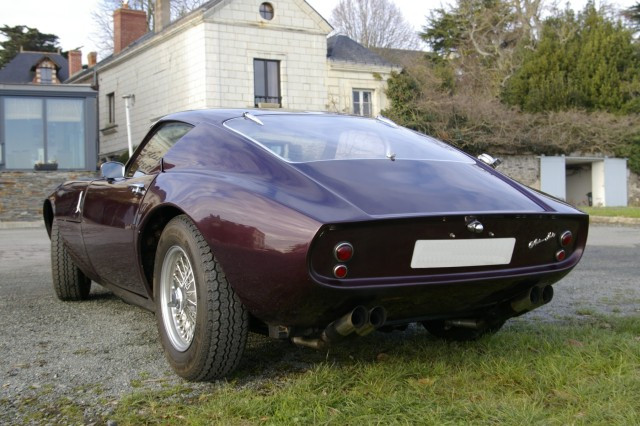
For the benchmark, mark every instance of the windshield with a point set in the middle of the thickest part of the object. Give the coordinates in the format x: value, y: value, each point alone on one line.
x: 316, y: 137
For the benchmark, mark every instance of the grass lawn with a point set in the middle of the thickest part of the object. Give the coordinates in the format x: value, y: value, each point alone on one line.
x: 578, y: 372
x: 613, y: 211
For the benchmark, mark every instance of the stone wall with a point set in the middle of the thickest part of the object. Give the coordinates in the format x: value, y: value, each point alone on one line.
x: 23, y: 193
x: 526, y: 169
x: 523, y: 168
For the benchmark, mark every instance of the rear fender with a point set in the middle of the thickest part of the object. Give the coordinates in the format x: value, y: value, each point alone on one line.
x: 257, y: 240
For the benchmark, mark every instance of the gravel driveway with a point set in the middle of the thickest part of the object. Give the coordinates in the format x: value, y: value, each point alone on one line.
x: 93, y: 352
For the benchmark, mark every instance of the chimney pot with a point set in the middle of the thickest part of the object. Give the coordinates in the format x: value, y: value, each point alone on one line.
x: 92, y: 59
x: 162, y: 15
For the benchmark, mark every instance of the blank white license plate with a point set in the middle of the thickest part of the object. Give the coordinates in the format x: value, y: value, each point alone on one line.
x: 456, y: 253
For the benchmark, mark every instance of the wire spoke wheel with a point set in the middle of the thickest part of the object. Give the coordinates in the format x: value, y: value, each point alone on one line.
x: 178, y: 298
x: 202, y: 323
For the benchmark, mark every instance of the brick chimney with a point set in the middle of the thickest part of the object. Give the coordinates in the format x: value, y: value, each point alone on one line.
x: 92, y: 58
x: 128, y: 26
x: 161, y: 15
x: 75, y: 62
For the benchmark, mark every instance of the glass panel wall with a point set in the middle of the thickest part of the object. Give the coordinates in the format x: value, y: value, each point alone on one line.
x: 23, y: 133
x: 43, y: 130
x: 65, y: 133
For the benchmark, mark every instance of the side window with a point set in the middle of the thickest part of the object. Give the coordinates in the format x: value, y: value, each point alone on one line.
x: 156, y: 147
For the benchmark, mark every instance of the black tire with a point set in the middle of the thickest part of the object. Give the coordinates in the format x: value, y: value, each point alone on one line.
x: 69, y: 282
x: 460, y: 334
x: 218, y: 338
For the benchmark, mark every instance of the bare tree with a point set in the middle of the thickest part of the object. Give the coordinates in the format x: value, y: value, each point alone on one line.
x: 374, y: 23
x: 103, y: 18
x: 484, y: 40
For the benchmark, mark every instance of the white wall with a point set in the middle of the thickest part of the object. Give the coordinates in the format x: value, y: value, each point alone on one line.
x: 236, y: 35
x: 553, y: 176
x: 343, y: 78
x: 166, y: 78
x: 615, y: 178
x: 597, y: 183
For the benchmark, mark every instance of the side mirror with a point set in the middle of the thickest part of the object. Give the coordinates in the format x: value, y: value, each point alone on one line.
x: 489, y: 160
x: 112, y: 170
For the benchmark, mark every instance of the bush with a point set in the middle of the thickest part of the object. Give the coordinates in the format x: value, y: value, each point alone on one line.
x: 479, y: 123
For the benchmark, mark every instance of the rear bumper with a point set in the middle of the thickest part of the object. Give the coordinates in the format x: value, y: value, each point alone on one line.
x: 417, y: 298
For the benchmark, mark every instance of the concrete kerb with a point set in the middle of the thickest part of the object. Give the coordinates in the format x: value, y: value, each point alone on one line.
x: 21, y: 225
x: 630, y: 221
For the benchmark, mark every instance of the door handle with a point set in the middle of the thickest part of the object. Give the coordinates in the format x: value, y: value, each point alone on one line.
x: 79, y: 205
x: 137, y: 188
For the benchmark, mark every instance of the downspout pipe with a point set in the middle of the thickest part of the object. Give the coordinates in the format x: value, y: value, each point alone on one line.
x: 129, y: 100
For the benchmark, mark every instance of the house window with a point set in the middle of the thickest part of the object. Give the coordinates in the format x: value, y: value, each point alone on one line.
x: 43, y: 130
x: 266, y: 84
x: 362, y: 102
x: 266, y: 11
x: 46, y: 76
x: 111, y: 105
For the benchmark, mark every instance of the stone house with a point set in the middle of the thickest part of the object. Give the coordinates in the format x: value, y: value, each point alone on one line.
x: 229, y: 54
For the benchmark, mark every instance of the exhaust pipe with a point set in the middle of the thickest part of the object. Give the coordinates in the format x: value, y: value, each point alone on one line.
x: 347, y: 324
x: 536, y: 296
x: 377, y: 318
x: 308, y: 342
x: 340, y: 328
x: 473, y: 324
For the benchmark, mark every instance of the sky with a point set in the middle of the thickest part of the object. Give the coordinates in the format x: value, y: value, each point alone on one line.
x: 71, y: 20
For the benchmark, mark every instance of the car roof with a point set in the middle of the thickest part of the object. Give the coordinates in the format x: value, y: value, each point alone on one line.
x: 219, y: 116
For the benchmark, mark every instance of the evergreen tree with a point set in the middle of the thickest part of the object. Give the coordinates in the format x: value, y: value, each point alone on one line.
x: 587, y: 62
x: 21, y: 36
x: 633, y: 15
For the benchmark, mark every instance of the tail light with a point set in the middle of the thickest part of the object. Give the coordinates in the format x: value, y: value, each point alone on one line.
x: 566, y: 238
x: 340, y: 271
x: 561, y: 255
x: 343, y: 252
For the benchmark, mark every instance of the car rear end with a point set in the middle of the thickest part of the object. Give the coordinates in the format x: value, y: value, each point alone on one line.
x: 414, y: 227
x: 449, y: 265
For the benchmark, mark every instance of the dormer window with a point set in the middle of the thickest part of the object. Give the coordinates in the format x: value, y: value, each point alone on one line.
x: 46, y: 76
x: 45, y: 72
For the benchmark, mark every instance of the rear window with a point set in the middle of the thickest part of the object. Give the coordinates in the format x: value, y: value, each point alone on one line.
x: 316, y: 137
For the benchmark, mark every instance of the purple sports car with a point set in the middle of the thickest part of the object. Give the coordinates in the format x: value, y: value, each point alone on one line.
x: 308, y: 227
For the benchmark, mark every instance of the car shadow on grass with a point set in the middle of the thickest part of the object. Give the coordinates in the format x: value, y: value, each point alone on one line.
x: 266, y: 358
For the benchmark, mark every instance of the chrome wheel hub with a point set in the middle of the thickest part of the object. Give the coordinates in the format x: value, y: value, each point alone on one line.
x: 178, y: 298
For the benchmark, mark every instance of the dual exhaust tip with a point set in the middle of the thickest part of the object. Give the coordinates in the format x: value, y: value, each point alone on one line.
x: 359, y: 321
x: 362, y: 321
x: 536, y: 296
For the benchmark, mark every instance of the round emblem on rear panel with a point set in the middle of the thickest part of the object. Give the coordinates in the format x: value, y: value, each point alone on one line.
x: 475, y: 226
